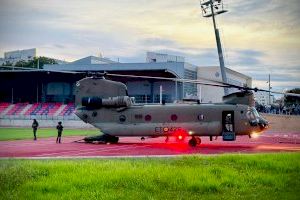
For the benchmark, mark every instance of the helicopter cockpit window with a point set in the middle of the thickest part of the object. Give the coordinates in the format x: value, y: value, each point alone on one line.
x: 252, y: 114
x: 255, y: 112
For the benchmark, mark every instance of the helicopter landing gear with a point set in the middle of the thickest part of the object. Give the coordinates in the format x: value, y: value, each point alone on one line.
x: 102, y: 138
x: 167, y: 139
x: 112, y: 140
x: 194, y: 141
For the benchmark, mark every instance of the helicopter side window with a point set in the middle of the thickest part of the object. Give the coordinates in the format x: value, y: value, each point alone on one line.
x: 148, y: 118
x: 200, y: 117
x: 174, y: 117
x: 228, y: 123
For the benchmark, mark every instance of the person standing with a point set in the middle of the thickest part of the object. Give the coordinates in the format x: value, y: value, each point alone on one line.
x: 35, y: 125
x: 59, y: 128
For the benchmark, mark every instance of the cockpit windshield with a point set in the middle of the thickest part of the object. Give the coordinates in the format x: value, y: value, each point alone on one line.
x: 252, y: 114
x: 255, y: 112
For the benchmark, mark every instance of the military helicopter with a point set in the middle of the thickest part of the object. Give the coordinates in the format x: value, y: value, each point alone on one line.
x: 105, y: 104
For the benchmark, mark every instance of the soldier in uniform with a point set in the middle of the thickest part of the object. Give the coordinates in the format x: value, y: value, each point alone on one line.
x: 35, y: 125
x: 59, y: 128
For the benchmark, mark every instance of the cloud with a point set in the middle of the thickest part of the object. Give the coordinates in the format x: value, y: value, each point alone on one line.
x: 158, y: 42
x: 258, y: 37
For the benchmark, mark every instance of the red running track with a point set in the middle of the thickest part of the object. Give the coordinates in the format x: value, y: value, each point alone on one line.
x: 44, y: 148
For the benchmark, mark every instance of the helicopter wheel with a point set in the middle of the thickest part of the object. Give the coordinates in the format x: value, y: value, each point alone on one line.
x: 167, y: 139
x: 194, y: 141
x: 113, y: 140
x: 198, y: 140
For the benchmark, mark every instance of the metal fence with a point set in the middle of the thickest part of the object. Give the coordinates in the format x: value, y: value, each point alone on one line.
x: 38, y: 117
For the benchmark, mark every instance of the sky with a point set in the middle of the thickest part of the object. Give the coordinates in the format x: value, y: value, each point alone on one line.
x: 259, y: 37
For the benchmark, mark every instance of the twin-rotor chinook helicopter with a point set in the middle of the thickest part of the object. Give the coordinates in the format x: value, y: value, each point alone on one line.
x: 105, y: 104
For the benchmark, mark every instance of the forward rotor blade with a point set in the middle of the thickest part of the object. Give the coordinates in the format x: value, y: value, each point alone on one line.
x: 165, y: 78
x: 197, y: 81
x: 284, y: 93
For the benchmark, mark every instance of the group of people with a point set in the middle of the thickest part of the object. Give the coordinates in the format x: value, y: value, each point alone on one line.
x: 59, y: 128
x: 293, y: 109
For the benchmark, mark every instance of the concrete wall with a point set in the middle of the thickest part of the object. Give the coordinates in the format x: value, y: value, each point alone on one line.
x: 73, y: 124
x: 283, y: 123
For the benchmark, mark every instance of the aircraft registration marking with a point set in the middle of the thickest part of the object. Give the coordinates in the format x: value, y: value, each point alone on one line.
x: 161, y: 130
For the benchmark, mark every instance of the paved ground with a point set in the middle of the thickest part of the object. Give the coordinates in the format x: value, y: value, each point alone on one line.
x: 268, y: 142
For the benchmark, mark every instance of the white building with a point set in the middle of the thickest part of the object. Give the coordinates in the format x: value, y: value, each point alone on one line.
x: 92, y: 60
x: 2, y: 61
x: 161, y: 57
x: 211, y: 94
x: 15, y: 56
x: 263, y: 98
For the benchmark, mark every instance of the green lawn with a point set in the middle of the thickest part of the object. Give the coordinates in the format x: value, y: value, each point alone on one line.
x: 26, y: 133
x: 261, y: 176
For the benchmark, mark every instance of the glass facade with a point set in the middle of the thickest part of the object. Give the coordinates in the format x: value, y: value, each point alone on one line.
x: 190, y: 89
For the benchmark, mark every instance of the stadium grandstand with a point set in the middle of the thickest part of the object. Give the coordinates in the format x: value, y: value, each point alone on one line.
x: 37, y: 110
x: 50, y: 92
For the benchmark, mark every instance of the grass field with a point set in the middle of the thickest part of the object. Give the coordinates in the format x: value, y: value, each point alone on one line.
x: 261, y: 176
x: 26, y: 133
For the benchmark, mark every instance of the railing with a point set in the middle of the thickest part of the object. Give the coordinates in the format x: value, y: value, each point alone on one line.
x: 45, y: 117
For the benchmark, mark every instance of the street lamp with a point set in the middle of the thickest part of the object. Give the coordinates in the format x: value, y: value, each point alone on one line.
x: 210, y: 8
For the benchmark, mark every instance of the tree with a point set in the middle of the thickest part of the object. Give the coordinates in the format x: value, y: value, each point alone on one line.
x: 21, y: 63
x: 7, y: 63
x: 41, y: 61
x: 290, y: 100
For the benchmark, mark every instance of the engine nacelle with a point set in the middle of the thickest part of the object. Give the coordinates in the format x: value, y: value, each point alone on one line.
x: 112, y: 102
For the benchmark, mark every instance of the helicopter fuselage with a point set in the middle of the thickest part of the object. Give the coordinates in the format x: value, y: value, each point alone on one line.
x: 169, y: 119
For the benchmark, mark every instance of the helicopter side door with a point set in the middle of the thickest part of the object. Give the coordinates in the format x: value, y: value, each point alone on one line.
x: 228, y: 133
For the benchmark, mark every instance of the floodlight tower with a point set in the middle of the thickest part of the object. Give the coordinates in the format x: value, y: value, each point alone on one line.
x: 210, y: 8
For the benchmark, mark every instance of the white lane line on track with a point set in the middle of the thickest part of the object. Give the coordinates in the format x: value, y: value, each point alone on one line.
x: 102, y: 157
x: 29, y: 144
x: 110, y: 148
x: 128, y: 156
x: 37, y: 144
x: 106, y: 150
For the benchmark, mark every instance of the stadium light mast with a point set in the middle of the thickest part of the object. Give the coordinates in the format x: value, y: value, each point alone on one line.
x: 269, y: 81
x: 210, y: 8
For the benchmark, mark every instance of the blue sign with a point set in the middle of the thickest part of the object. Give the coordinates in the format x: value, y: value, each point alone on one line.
x: 228, y: 136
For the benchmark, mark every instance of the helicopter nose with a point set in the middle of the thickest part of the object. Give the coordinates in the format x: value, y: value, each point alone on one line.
x: 264, y: 124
